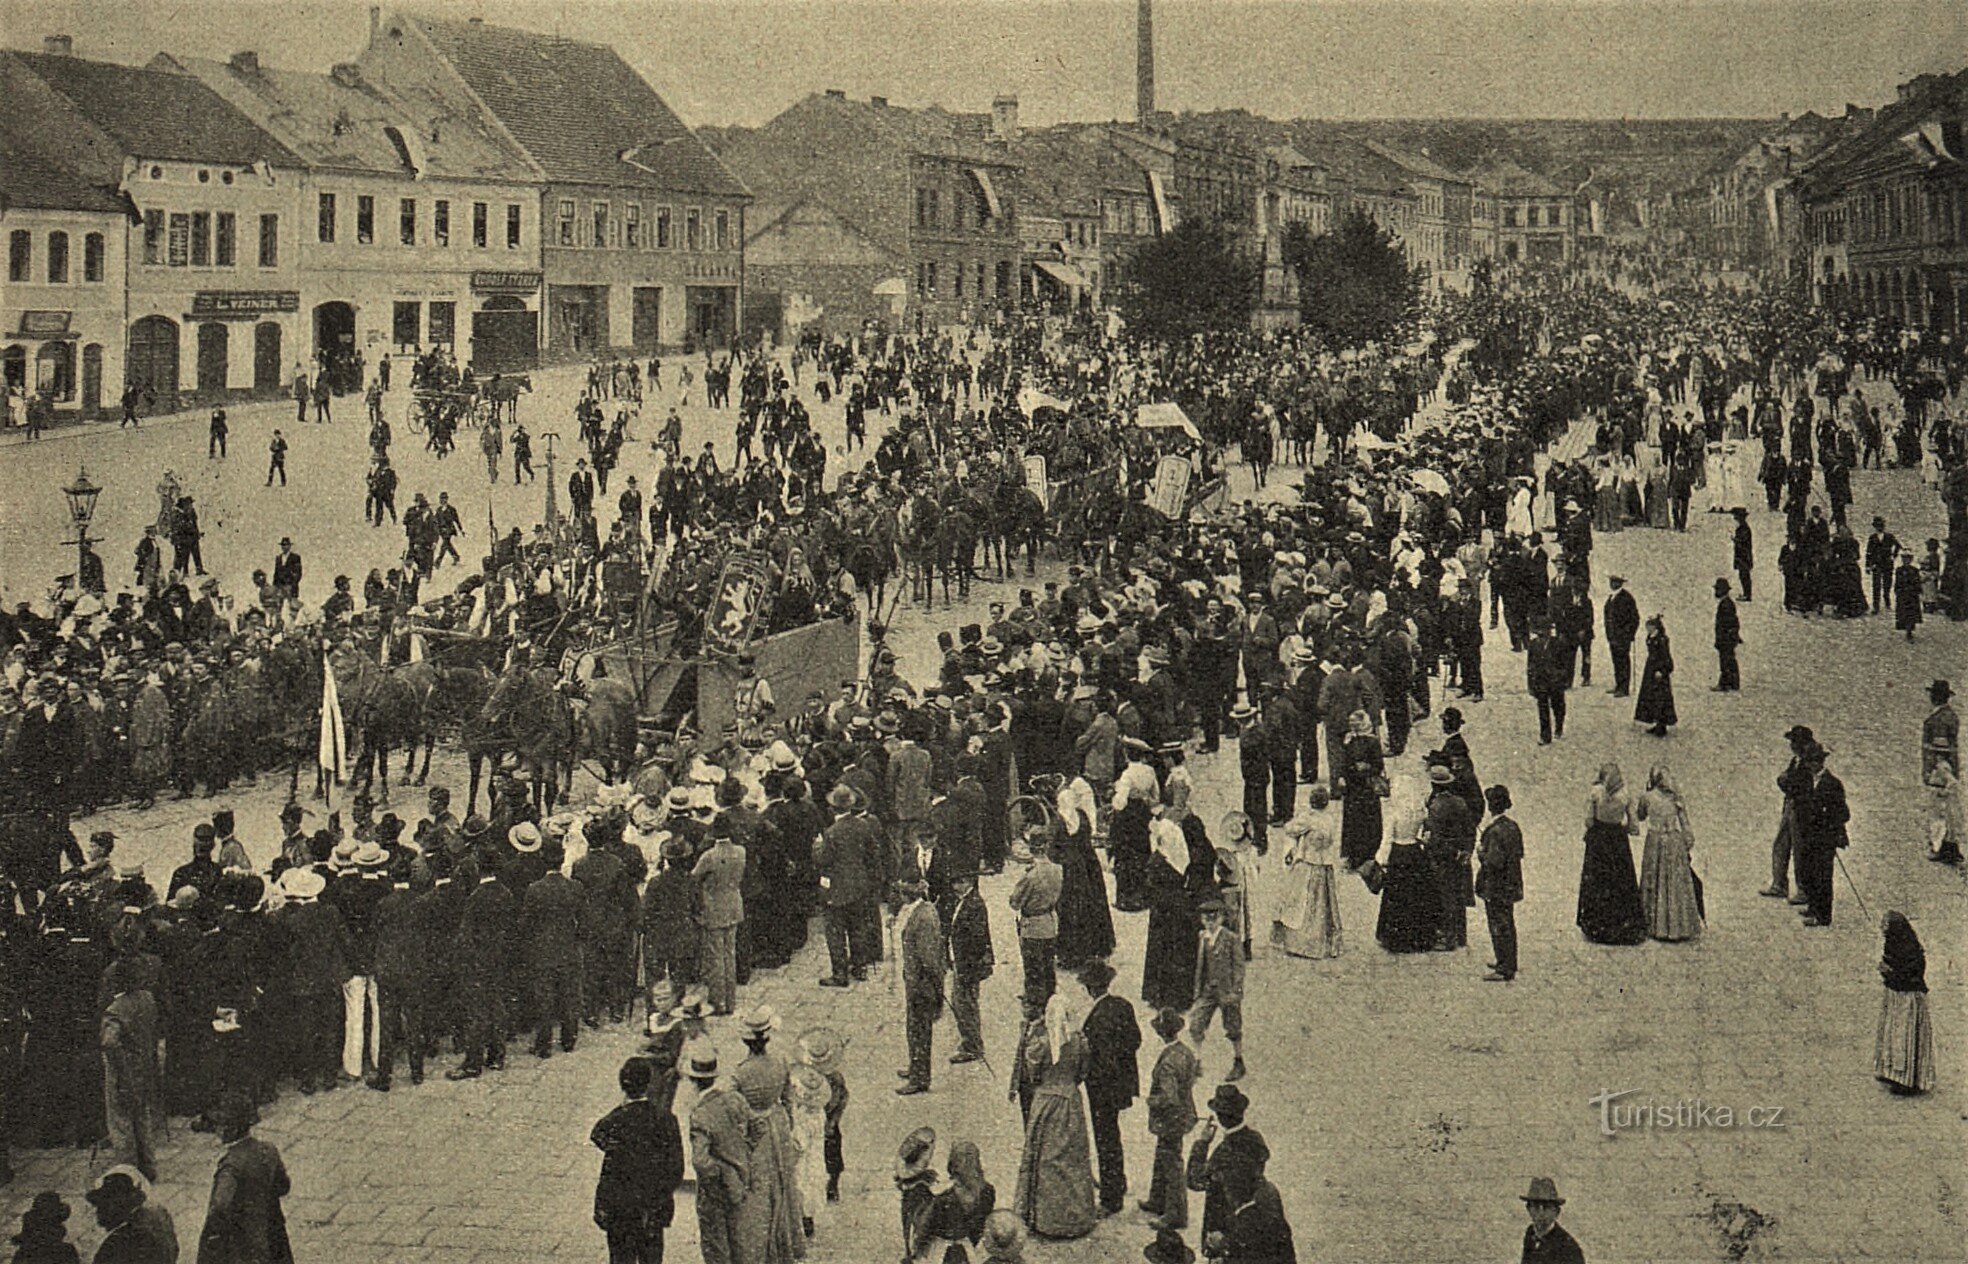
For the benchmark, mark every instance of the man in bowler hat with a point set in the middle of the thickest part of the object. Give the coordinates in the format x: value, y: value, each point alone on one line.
x: 1545, y: 1240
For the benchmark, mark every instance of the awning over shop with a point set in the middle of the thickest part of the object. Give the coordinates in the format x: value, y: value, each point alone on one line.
x: 1064, y: 273
x: 990, y: 193
x: 891, y: 287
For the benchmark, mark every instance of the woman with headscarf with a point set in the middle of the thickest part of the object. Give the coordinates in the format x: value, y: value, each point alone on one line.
x: 1086, y: 925
x: 1362, y: 773
x: 956, y: 1214
x: 1669, y: 891
x: 1055, y: 1171
x: 1903, y: 1049
x: 1168, y: 966
x: 1306, y: 923
x: 1609, y: 910
x: 1135, y: 795
x: 1655, y: 706
x: 1410, y: 904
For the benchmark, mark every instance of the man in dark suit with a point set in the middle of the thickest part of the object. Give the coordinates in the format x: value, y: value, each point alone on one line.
x: 551, y: 918
x: 1728, y: 635
x: 1254, y: 759
x: 971, y: 962
x: 1113, y: 1078
x: 1744, y: 552
x: 641, y: 1167
x: 402, y: 948
x: 1544, y: 676
x: 919, y: 934
x: 243, y: 1220
x: 287, y: 571
x: 1545, y: 1241
x: 1500, y: 882
x: 1622, y: 623
x: 1821, y: 816
x: 481, y: 952
x: 1224, y: 1146
x: 841, y: 858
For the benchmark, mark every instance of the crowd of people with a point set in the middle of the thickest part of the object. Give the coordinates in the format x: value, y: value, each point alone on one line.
x: 1055, y: 740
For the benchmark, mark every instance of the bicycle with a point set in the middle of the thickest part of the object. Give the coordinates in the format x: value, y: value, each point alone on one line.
x: 1032, y: 814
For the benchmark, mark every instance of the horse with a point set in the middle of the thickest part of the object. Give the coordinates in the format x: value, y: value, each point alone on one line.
x: 956, y: 544
x: 919, y: 523
x: 1016, y: 519
x: 526, y: 716
x: 606, y: 728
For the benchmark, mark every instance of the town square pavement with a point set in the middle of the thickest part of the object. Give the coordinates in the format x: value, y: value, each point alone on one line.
x: 1406, y: 1103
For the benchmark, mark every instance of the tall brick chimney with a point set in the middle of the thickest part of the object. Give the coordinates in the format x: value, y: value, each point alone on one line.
x: 1144, y: 60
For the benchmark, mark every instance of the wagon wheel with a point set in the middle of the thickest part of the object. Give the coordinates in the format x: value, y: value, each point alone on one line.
x: 1027, y: 812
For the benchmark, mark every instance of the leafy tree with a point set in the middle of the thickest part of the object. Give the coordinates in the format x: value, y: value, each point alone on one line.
x: 1195, y: 279
x: 1354, y: 284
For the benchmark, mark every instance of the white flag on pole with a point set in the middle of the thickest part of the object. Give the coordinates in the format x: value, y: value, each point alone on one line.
x: 332, y: 754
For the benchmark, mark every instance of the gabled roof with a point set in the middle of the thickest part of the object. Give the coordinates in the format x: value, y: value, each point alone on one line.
x: 1871, y: 139
x: 766, y: 217
x: 33, y: 176
x: 580, y: 112
x: 154, y: 114
x: 930, y: 130
x: 1064, y: 173
x: 342, y: 122
x: 1417, y: 164
x: 1504, y: 178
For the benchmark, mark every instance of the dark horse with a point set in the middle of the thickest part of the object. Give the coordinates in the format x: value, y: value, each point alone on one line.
x: 527, y: 717
x: 1016, y: 519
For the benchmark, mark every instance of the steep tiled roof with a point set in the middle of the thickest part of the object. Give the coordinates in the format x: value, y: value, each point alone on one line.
x: 33, y: 176
x: 1417, y: 164
x: 1064, y: 173
x: 154, y: 114
x: 580, y: 111
x: 339, y: 123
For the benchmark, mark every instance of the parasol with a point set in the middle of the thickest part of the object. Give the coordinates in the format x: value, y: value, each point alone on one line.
x: 1429, y: 481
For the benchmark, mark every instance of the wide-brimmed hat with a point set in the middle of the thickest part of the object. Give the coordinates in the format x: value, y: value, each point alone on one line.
x: 1228, y: 1100
x: 1543, y: 1190
x: 525, y: 838
x: 645, y: 819
x: 699, y: 1060
x: 913, y: 1155
x: 1168, y: 1022
x: 1096, y: 974
x: 302, y: 884
x: 696, y: 1003
x: 843, y: 798
x: 781, y: 757
x: 1168, y: 1248
x: 476, y: 827
x: 760, y: 1020
x: 1800, y: 734
x: 116, y: 1195
x: 371, y: 856
x: 806, y: 1086
x: 821, y: 1048
x: 1243, y: 711
x: 1441, y: 775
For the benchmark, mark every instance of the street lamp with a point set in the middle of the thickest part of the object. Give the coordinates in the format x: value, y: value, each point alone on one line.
x: 81, y: 496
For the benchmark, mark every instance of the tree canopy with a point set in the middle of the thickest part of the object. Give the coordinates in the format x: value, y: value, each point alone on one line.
x: 1354, y: 282
x: 1195, y: 279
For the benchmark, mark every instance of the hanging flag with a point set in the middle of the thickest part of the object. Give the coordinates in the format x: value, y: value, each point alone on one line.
x: 331, y: 755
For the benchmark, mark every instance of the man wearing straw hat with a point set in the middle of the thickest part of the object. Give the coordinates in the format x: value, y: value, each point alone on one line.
x: 720, y: 1155
x: 1545, y: 1240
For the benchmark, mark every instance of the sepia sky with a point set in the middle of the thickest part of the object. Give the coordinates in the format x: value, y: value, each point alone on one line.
x: 742, y: 61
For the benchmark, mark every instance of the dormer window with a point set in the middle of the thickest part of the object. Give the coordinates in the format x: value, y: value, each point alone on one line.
x: 409, y: 150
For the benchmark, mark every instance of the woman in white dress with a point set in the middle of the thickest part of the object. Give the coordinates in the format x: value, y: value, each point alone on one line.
x: 807, y: 1094
x: 1306, y: 923
x: 1668, y: 893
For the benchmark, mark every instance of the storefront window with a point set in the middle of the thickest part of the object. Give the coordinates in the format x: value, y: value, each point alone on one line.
x: 403, y: 327
x: 443, y: 323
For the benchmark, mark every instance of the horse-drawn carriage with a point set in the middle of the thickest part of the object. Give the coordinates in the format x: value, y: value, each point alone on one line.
x: 469, y: 403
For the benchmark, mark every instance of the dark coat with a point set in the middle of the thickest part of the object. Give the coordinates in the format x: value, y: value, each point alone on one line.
x: 669, y: 918
x: 244, y: 1223
x: 641, y: 1165
x: 842, y: 856
x: 487, y: 926
x: 551, y: 921
x: 1656, y: 702
x: 1258, y: 1232
x: 1500, y: 862
x: 1556, y: 1247
x: 1622, y: 618
x: 1113, y: 1042
x: 1728, y: 625
x: 1822, y: 814
x: 1243, y: 1150
x: 970, y: 939
x: 403, y: 944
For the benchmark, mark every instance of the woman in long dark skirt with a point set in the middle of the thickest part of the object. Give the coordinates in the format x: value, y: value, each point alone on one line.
x: 1906, y: 596
x: 1410, y: 904
x: 1655, y: 706
x: 1127, y: 845
x: 1086, y: 924
x: 1168, y: 967
x: 1362, y: 768
x: 1609, y: 908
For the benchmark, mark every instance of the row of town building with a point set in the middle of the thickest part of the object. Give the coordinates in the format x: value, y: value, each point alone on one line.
x: 201, y: 230
x: 198, y: 230
x: 1868, y: 211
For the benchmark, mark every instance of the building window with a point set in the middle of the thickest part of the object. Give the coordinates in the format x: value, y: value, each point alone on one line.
x: 201, y: 239
x: 180, y: 248
x: 403, y: 326
x: 365, y: 219
x: 225, y: 244
x: 663, y: 228
x: 512, y: 226
x: 406, y: 221
x: 481, y: 224
x: 693, y: 229
x: 721, y: 231
x: 1510, y: 217
x: 441, y: 223
x: 324, y: 218
x: 20, y: 255
x: 932, y: 279
x: 632, y: 226
x: 57, y: 258
x: 92, y: 257
x: 153, y: 238
x: 980, y: 279
x: 566, y: 237
x: 956, y: 281
x: 269, y: 241
x: 443, y: 323
x: 922, y: 272
x: 600, y: 225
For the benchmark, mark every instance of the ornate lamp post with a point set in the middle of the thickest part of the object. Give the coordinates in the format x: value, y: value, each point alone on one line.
x: 81, y: 496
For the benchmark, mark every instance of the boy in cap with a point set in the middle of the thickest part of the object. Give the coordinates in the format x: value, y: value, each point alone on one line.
x: 1171, y: 1114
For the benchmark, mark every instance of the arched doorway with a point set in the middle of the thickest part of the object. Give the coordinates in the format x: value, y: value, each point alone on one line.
x: 92, y: 378
x: 214, y: 341
x: 153, y: 367
x: 266, y: 357
x: 334, y: 342
x: 14, y: 363
x: 54, y: 371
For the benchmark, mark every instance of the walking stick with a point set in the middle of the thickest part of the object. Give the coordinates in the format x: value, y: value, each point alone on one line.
x: 1855, y: 886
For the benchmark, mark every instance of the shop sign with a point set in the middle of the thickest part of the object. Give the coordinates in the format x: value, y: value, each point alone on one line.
x: 224, y: 303
x: 44, y: 324
x: 505, y: 282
